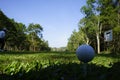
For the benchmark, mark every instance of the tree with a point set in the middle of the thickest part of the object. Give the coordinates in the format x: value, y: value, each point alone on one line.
x: 73, y: 41
x: 9, y: 24
x: 20, y: 38
x: 35, y: 28
x: 100, y: 16
x: 34, y: 33
x: 111, y: 21
x: 92, y: 19
x: 76, y: 39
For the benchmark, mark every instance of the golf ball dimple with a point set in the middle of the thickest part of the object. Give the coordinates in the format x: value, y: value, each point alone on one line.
x: 85, y: 53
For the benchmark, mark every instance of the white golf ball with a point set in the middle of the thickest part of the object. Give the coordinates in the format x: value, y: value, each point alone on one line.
x: 85, y: 53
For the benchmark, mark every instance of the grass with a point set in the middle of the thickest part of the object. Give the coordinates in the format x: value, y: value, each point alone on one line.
x: 43, y: 58
x: 56, y: 66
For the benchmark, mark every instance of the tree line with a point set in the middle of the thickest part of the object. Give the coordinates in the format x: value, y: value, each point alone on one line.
x: 20, y: 37
x: 99, y: 16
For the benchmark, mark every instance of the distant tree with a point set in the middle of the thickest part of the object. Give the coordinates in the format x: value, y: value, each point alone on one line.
x: 9, y: 24
x: 34, y: 34
x: 73, y: 42
x: 76, y: 39
x: 19, y: 37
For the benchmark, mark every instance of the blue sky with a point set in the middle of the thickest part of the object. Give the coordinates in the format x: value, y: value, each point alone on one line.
x: 57, y: 17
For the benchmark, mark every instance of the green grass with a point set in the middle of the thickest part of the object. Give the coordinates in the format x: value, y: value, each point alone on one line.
x: 56, y: 66
x: 7, y: 58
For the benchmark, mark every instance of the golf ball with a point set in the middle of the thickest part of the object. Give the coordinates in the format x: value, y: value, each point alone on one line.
x: 85, y: 53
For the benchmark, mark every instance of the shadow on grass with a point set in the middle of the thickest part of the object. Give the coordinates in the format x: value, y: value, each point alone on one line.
x: 71, y: 71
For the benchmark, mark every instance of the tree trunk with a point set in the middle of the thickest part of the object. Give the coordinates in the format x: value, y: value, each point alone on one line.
x: 98, y: 42
x: 99, y: 29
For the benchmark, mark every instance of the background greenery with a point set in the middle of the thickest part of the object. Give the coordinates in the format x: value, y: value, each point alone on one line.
x: 99, y: 16
x: 23, y: 38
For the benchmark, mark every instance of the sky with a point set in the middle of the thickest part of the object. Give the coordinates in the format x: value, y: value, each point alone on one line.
x: 57, y: 17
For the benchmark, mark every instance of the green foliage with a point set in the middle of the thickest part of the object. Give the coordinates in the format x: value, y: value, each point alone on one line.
x: 22, y: 38
x: 56, y: 66
x: 73, y: 42
x: 36, y: 28
x: 99, y: 16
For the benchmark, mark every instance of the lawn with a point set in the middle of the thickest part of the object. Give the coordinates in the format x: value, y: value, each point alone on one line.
x: 57, y: 66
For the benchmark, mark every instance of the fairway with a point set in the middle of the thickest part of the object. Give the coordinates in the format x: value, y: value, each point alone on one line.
x: 56, y: 66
